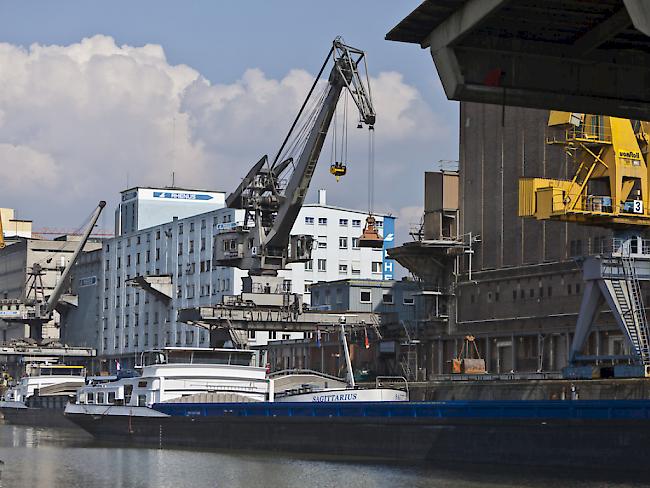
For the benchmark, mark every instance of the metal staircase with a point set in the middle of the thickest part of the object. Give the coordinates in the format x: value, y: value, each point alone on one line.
x: 629, y: 301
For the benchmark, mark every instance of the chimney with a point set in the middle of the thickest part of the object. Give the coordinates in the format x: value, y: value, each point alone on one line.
x: 322, y: 197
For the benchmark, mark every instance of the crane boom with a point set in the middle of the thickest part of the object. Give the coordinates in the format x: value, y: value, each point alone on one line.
x: 273, y: 193
x: 58, y: 289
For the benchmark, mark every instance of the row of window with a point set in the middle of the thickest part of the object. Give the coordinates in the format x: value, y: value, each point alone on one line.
x: 365, y: 296
x: 342, y: 222
x: 376, y: 266
x: 138, y: 239
x: 189, y: 339
x: 522, y: 294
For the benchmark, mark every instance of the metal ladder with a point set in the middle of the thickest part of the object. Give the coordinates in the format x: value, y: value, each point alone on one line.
x: 632, y: 309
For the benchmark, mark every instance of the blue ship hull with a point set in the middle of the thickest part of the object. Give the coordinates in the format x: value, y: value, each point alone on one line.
x: 595, y: 434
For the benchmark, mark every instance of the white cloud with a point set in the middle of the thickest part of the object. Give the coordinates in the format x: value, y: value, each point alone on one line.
x: 78, y: 120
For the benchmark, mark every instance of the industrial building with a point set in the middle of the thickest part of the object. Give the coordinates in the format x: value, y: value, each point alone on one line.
x: 375, y: 349
x: 131, y: 290
x: 30, y: 268
x: 515, y: 284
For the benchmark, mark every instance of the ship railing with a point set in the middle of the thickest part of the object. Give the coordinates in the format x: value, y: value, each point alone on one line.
x: 285, y: 372
x: 397, y: 382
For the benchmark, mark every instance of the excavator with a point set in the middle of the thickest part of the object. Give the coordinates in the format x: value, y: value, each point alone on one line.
x: 609, y: 188
x: 273, y: 191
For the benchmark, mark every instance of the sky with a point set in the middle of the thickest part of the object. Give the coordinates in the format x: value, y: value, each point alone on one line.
x: 99, y: 96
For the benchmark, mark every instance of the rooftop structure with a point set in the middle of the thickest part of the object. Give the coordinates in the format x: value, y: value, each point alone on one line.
x: 144, y: 207
x: 568, y: 55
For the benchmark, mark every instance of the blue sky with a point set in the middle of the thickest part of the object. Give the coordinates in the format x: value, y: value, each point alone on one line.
x: 220, y: 41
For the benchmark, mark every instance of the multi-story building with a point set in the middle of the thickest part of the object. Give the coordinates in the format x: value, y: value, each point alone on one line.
x: 146, y: 275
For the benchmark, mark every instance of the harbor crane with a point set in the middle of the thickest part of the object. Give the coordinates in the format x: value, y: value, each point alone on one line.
x: 273, y: 191
x: 609, y: 188
x: 39, y: 310
x: 272, y: 194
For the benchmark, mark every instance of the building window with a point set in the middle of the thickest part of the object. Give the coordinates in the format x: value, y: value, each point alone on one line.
x: 202, y: 243
x: 356, y: 223
x: 286, y: 286
x: 119, y: 262
x: 251, y: 334
x: 355, y: 243
x: 191, y: 226
x: 379, y: 223
x: 343, y: 269
x: 135, y: 340
x: 128, y: 260
x: 387, y: 298
x: 157, y: 235
x: 309, y: 220
x: 180, y: 248
x: 322, y: 242
x: 273, y: 335
x: 322, y: 265
x: 356, y: 268
x: 376, y: 267
x: 307, y: 286
x: 322, y: 220
x: 157, y: 254
x: 191, y: 250
x: 180, y: 229
x: 409, y: 300
x: 309, y: 265
x: 108, y: 264
x: 366, y: 296
x: 343, y: 242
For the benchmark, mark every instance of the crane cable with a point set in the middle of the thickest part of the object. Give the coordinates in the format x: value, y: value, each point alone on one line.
x: 371, y: 170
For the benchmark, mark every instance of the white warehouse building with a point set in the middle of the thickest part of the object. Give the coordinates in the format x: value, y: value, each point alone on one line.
x: 145, y: 276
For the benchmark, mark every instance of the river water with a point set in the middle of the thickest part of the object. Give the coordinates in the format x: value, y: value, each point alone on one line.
x: 58, y: 458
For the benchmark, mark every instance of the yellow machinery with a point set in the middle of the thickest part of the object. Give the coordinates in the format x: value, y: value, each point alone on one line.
x: 338, y: 170
x: 609, y: 188
x: 610, y: 183
x: 465, y: 362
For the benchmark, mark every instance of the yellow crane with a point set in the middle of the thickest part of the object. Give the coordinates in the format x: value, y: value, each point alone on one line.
x: 610, y: 184
x: 609, y: 188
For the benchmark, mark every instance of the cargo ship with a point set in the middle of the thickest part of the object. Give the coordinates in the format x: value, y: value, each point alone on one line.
x: 38, y: 399
x: 219, y: 399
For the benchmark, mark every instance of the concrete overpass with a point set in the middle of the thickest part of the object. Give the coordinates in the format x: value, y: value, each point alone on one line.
x: 574, y: 55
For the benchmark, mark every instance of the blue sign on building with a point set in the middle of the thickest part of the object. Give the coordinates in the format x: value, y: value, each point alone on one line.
x: 388, y: 265
x: 174, y: 195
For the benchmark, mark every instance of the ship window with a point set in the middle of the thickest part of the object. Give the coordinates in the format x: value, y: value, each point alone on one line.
x: 100, y: 397
x: 142, y: 400
x: 128, y: 391
x: 91, y: 398
x: 111, y: 397
x: 142, y: 384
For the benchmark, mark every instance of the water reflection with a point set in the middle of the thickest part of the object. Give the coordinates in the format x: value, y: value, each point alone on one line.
x: 54, y: 458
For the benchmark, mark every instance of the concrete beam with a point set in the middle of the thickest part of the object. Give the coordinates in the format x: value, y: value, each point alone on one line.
x: 550, y: 81
x: 639, y: 11
x: 601, y: 33
x: 461, y: 22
